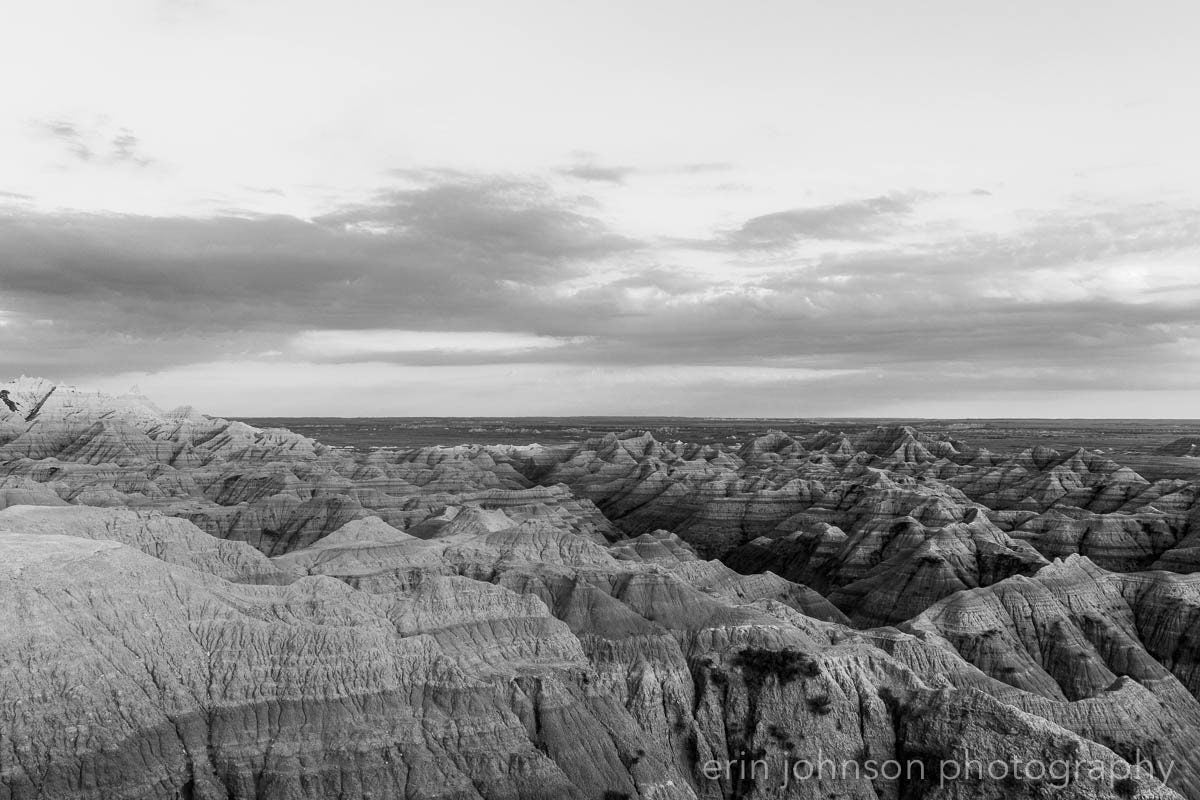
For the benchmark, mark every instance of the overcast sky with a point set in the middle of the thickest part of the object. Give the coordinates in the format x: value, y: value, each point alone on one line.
x: 755, y: 208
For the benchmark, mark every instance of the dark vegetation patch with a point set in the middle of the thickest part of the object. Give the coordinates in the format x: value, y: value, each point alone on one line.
x: 784, y: 665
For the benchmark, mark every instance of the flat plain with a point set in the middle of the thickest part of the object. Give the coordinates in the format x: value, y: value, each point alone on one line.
x: 1132, y: 442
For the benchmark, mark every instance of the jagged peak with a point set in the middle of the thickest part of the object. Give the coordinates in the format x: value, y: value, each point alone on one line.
x: 40, y: 398
x: 1071, y: 567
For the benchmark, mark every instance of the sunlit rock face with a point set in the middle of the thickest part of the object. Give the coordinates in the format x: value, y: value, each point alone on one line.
x: 195, y: 608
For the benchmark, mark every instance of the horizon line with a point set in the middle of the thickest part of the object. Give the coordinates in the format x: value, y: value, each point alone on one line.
x: 717, y: 418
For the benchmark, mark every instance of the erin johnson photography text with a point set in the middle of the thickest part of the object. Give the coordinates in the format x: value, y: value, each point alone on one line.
x: 1057, y: 772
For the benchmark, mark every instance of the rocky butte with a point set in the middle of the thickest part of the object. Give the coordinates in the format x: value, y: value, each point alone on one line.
x: 193, y: 608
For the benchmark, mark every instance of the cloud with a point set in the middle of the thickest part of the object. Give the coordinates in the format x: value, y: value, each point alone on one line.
x: 590, y: 170
x: 485, y: 221
x: 97, y: 144
x: 596, y: 172
x: 125, y: 149
x: 1064, y: 293
x: 460, y: 271
x: 456, y: 255
x: 858, y: 220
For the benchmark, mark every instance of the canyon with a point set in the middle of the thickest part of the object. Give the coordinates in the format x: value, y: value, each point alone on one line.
x: 193, y: 607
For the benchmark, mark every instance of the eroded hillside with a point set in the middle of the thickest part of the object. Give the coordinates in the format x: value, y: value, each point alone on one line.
x: 196, y: 608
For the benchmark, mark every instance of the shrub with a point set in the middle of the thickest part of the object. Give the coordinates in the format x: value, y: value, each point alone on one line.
x: 785, y: 665
x: 821, y: 704
x: 1125, y: 787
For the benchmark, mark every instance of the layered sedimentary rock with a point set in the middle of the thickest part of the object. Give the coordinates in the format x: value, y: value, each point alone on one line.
x: 170, y: 539
x: 165, y: 681
x: 1120, y: 650
x: 280, y: 492
x: 270, y: 488
x: 881, y: 576
x: 1183, y: 446
x: 776, y: 485
x: 194, y: 608
x: 884, y: 523
x: 565, y: 673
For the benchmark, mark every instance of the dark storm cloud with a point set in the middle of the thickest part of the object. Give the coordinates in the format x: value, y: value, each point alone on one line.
x: 859, y: 220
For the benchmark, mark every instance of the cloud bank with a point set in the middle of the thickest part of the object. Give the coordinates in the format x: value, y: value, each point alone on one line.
x: 536, y: 293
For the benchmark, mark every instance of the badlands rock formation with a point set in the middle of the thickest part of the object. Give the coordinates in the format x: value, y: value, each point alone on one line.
x: 193, y: 608
x: 1183, y: 446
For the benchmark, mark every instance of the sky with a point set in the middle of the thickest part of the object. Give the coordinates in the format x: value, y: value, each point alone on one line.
x: 934, y: 208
